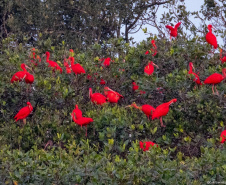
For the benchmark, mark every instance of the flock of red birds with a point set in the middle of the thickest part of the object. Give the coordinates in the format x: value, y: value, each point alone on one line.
x: 113, y: 96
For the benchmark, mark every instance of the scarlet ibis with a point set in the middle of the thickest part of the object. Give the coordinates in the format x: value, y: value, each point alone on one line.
x: 149, y: 69
x: 146, y: 109
x: 112, y: 96
x: 155, y: 48
x: 76, y: 113
x: 196, y: 79
x: 211, y: 38
x: 89, y: 77
x: 67, y: 66
x: 135, y: 87
x: 34, y: 57
x: 223, y: 59
x: 191, y: 67
x: 102, y: 82
x: 76, y: 68
x: 24, y: 112
x: 106, y: 62
x: 97, y: 98
x: 223, y: 136
x: 173, y: 30
x: 162, y: 110
x: 83, y: 121
x: 53, y: 64
x: 215, y: 79
x: 148, y: 145
x: 20, y: 75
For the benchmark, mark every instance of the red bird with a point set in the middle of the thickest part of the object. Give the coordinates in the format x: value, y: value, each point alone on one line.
x: 148, y: 145
x: 149, y: 69
x: 67, y: 66
x: 223, y: 136
x: 83, y: 121
x: 53, y: 64
x: 215, y: 79
x: 24, y: 112
x: 76, y: 113
x: 89, y: 77
x: 20, y: 75
x: 162, y: 110
x: 102, y: 82
x: 97, y: 98
x: 76, y: 68
x: 155, y: 48
x: 222, y: 59
x: 112, y: 96
x: 135, y: 87
x: 106, y: 62
x: 173, y: 30
x: 211, y: 38
x: 191, y: 67
x: 146, y: 109
x: 196, y: 79
x: 34, y: 58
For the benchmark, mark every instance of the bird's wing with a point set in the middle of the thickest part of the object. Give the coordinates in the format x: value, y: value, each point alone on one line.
x: 177, y: 25
x: 24, y: 112
x: 169, y: 27
x: 114, y: 92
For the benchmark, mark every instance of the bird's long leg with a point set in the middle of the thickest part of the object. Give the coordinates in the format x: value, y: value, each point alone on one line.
x: 27, y: 91
x: 162, y: 123
x: 24, y: 121
x: 53, y: 74
x: 213, y: 89
x: 86, y: 130
x: 216, y: 90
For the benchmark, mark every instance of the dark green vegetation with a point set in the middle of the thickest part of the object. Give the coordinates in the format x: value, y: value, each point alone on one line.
x: 189, y: 149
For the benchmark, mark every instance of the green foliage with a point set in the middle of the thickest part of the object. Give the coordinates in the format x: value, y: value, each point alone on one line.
x: 50, y: 148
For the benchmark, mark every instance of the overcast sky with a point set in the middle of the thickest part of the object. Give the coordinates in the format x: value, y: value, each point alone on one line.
x: 191, y: 5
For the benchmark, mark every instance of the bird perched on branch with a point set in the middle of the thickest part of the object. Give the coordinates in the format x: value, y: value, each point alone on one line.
x: 83, y: 121
x: 146, y: 109
x: 149, y: 69
x: 97, y: 98
x: 214, y: 79
x: 162, y: 110
x: 53, y: 64
x: 76, y: 113
x: 148, y: 145
x: 210, y: 37
x: 23, y: 75
x: 112, y: 96
x: 24, y: 112
x: 196, y: 79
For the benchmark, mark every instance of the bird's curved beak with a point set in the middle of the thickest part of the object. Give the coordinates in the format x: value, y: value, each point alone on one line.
x: 29, y: 69
x: 155, y: 65
x: 193, y: 67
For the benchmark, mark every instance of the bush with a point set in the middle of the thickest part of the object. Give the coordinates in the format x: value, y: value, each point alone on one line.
x: 189, y: 152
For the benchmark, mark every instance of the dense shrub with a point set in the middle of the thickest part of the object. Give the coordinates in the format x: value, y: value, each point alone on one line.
x: 189, y: 152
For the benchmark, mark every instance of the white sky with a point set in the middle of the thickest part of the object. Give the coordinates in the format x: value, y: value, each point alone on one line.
x: 191, y: 5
